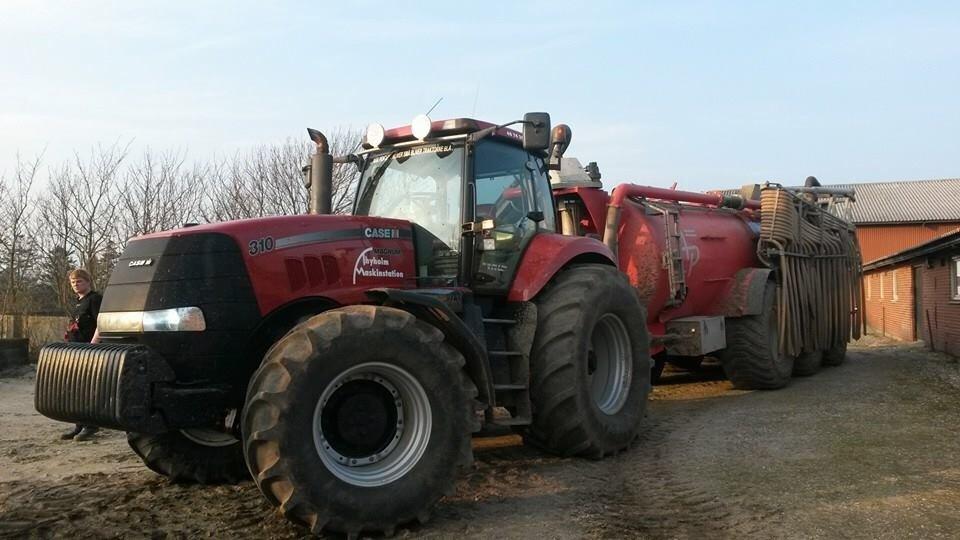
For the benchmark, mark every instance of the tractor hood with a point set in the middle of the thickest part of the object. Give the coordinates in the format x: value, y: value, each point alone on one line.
x: 239, y: 271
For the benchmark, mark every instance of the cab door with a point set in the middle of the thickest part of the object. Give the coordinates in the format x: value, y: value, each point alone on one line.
x: 513, y: 203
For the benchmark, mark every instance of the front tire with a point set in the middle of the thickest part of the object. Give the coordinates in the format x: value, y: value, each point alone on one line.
x: 359, y: 420
x: 590, y: 364
x: 192, y: 456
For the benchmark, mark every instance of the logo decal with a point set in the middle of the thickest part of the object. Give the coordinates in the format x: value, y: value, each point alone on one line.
x: 139, y: 262
x: 371, y: 264
x: 381, y: 232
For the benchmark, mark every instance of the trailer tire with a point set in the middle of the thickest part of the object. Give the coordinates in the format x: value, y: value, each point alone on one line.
x: 807, y: 363
x: 324, y: 469
x: 835, y: 356
x: 590, y: 363
x: 180, y: 456
x: 752, y: 359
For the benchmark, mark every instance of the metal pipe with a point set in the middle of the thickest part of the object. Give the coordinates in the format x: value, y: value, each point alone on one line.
x: 320, y: 180
x: 623, y: 191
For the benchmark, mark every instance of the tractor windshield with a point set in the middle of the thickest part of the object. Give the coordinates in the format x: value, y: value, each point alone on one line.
x: 420, y: 184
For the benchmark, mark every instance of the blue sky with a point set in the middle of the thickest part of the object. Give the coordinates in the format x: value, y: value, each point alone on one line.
x: 706, y: 94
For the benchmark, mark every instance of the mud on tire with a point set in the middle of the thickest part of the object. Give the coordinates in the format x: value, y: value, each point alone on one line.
x: 590, y: 363
x: 183, y: 459
x: 299, y: 450
x: 752, y: 359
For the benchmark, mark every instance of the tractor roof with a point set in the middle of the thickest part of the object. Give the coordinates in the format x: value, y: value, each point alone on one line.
x: 452, y: 126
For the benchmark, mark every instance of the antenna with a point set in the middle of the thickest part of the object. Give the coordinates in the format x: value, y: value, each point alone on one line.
x: 476, y: 95
x: 434, y: 106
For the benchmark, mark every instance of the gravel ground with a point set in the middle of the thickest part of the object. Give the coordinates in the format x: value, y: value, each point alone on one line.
x: 865, y: 450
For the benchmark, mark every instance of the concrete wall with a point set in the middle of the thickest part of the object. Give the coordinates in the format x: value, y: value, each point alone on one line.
x: 888, y: 295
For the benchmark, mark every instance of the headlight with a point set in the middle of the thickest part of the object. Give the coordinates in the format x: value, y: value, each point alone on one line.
x: 184, y: 319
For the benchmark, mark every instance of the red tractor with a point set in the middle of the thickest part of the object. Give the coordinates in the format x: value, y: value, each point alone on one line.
x: 484, y: 282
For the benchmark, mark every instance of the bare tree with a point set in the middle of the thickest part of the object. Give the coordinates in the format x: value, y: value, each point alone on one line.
x: 82, y: 205
x: 268, y: 180
x: 160, y: 191
x: 17, y: 245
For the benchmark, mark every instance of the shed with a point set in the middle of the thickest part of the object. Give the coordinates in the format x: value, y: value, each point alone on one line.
x: 914, y: 294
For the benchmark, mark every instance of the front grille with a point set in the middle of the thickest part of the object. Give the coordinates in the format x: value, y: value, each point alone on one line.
x: 100, y: 385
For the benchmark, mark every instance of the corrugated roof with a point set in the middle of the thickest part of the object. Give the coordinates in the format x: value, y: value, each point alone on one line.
x: 944, y: 241
x: 908, y: 201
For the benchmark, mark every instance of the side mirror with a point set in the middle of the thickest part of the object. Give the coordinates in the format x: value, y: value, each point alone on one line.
x: 536, y: 131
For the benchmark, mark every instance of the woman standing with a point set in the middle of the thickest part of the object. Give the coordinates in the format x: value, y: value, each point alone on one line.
x: 83, y: 329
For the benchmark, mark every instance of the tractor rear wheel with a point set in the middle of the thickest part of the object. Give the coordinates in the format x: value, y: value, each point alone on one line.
x: 590, y: 364
x: 835, y: 356
x: 192, y: 456
x: 359, y: 420
x: 807, y: 363
x: 752, y: 359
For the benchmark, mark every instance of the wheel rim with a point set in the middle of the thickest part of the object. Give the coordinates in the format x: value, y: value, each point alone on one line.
x: 610, y: 364
x: 209, y: 437
x: 372, y: 424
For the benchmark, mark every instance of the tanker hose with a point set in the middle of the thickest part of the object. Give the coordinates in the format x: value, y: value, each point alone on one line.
x: 817, y: 259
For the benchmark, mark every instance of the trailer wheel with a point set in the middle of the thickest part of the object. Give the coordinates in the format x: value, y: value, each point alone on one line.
x: 835, y: 356
x: 752, y: 359
x: 359, y: 419
x: 807, y: 363
x: 192, y: 456
x: 590, y: 364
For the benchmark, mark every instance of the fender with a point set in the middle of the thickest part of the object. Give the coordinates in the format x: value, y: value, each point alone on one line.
x: 547, y: 254
x: 433, y: 309
x: 745, y: 295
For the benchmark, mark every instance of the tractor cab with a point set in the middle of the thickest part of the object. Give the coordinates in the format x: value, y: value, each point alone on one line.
x: 476, y: 194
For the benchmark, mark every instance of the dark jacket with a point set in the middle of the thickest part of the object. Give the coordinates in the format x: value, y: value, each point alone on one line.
x: 83, y: 318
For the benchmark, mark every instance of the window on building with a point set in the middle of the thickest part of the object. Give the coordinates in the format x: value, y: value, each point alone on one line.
x: 870, y: 287
x: 893, y: 287
x: 955, y: 278
x: 881, y: 275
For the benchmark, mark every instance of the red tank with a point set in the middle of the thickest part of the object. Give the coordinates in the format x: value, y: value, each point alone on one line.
x: 713, y: 239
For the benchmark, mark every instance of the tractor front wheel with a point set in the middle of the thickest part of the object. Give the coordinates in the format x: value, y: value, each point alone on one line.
x: 359, y: 420
x: 192, y: 456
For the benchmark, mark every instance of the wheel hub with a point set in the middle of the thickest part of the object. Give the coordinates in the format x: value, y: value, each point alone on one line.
x: 361, y: 419
x: 610, y: 364
x: 372, y: 424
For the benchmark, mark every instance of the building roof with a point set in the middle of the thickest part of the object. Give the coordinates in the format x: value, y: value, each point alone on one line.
x: 944, y: 241
x: 907, y: 201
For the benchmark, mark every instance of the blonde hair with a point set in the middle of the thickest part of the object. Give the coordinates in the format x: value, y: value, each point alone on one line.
x: 81, y: 274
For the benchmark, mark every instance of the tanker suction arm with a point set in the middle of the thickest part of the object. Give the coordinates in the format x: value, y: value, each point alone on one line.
x: 623, y: 191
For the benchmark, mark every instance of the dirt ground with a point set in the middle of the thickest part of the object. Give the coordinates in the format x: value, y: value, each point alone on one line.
x: 866, y: 450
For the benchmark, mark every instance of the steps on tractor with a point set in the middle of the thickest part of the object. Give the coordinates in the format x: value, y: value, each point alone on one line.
x: 509, y: 336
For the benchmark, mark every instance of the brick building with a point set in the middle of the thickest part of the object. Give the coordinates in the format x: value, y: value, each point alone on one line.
x: 914, y: 294
x: 894, y: 216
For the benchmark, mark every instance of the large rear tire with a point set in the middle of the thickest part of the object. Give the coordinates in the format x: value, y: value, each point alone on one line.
x: 590, y: 364
x: 359, y: 420
x: 835, y: 356
x: 752, y: 359
x: 807, y: 363
x: 192, y: 456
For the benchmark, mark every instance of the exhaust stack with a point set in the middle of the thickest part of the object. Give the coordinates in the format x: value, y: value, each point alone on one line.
x: 320, y: 175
